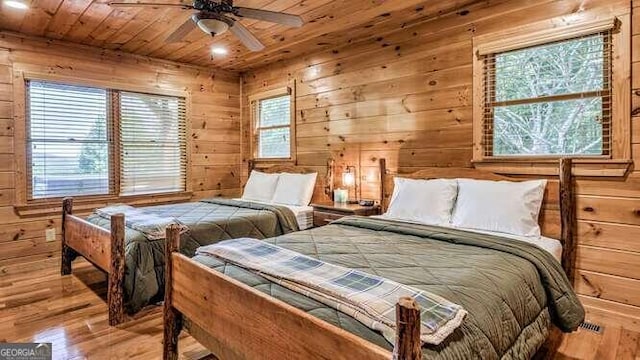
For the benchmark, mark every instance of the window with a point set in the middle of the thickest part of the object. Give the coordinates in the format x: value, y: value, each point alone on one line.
x: 68, y: 140
x: 72, y: 145
x: 152, y: 144
x: 274, y: 128
x: 273, y: 125
x: 543, y: 91
x: 551, y: 99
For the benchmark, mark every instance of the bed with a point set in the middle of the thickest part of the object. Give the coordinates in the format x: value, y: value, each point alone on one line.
x: 513, y: 293
x: 135, y: 263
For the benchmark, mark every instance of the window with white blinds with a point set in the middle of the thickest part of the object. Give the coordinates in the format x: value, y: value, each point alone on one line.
x: 67, y: 140
x: 552, y: 99
x: 152, y: 143
x: 74, y: 133
x: 273, y: 130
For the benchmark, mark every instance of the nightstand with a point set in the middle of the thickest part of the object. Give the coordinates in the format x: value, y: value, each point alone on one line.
x: 326, y: 213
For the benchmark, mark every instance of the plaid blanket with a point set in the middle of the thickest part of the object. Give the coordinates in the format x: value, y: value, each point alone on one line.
x: 152, y: 226
x: 368, y: 298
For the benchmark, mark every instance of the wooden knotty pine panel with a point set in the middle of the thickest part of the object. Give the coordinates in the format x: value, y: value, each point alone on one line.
x: 407, y: 97
x: 143, y: 30
x: 214, y: 133
x: 609, y: 227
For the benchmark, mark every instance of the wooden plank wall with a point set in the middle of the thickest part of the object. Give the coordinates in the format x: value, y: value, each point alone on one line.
x: 406, y: 96
x: 215, y: 121
x: 609, y: 224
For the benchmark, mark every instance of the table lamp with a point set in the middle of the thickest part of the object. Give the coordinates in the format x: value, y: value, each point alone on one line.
x: 349, y: 180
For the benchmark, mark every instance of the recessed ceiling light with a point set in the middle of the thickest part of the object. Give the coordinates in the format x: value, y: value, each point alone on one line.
x: 16, y: 4
x: 219, y: 51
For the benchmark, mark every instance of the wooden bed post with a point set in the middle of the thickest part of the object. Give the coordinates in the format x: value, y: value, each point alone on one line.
x: 408, y: 345
x: 67, y: 254
x: 567, y: 218
x: 172, y: 317
x: 251, y: 165
x: 115, y: 296
x: 329, y: 180
x: 383, y: 173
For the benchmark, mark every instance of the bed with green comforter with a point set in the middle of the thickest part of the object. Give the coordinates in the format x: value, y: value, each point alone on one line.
x: 208, y: 221
x: 512, y: 290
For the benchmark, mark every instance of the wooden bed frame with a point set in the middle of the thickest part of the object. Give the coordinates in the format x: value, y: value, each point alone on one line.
x: 105, y: 249
x: 217, y: 305
x: 558, y: 214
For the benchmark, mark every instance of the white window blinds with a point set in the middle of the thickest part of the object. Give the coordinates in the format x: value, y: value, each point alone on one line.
x: 67, y: 140
x: 274, y: 127
x: 152, y: 143
x: 90, y: 141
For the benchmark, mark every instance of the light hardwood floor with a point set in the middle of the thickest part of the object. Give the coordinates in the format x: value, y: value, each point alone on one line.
x: 37, y: 304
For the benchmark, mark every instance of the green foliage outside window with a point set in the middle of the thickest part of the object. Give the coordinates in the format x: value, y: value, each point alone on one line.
x: 93, y: 157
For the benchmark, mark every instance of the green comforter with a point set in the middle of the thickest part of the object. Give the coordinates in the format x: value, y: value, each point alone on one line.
x: 512, y: 290
x: 209, y: 221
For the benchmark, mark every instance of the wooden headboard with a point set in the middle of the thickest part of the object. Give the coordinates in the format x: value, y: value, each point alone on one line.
x: 324, y: 184
x: 557, y: 216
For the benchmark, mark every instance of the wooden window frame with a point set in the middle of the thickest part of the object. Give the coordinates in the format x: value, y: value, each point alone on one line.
x: 29, y: 207
x: 618, y: 162
x: 255, y: 118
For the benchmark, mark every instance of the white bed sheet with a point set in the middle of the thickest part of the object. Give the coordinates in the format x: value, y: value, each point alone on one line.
x: 303, y: 214
x: 553, y: 246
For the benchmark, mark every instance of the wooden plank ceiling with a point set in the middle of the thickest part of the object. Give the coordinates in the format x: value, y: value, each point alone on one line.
x: 143, y: 31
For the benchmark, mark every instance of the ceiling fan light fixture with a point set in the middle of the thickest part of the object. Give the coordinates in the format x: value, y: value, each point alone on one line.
x: 215, y: 17
x: 213, y: 26
x: 16, y: 4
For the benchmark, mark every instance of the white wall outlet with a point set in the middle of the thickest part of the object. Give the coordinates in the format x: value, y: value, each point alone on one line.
x: 50, y: 234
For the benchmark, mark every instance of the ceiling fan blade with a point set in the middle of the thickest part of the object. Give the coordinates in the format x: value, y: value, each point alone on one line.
x: 122, y: 4
x: 182, y: 31
x: 270, y: 16
x: 246, y: 37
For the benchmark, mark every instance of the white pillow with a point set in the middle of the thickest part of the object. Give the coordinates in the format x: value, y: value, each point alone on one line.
x: 295, y: 189
x: 423, y: 201
x: 502, y: 206
x: 260, y: 186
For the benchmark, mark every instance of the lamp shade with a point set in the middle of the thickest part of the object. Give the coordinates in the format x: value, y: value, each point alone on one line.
x: 348, y: 179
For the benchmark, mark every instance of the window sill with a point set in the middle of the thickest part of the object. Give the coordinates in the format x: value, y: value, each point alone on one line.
x: 549, y: 167
x: 86, y: 204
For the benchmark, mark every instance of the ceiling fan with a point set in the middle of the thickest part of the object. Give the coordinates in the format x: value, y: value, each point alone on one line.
x: 216, y: 17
